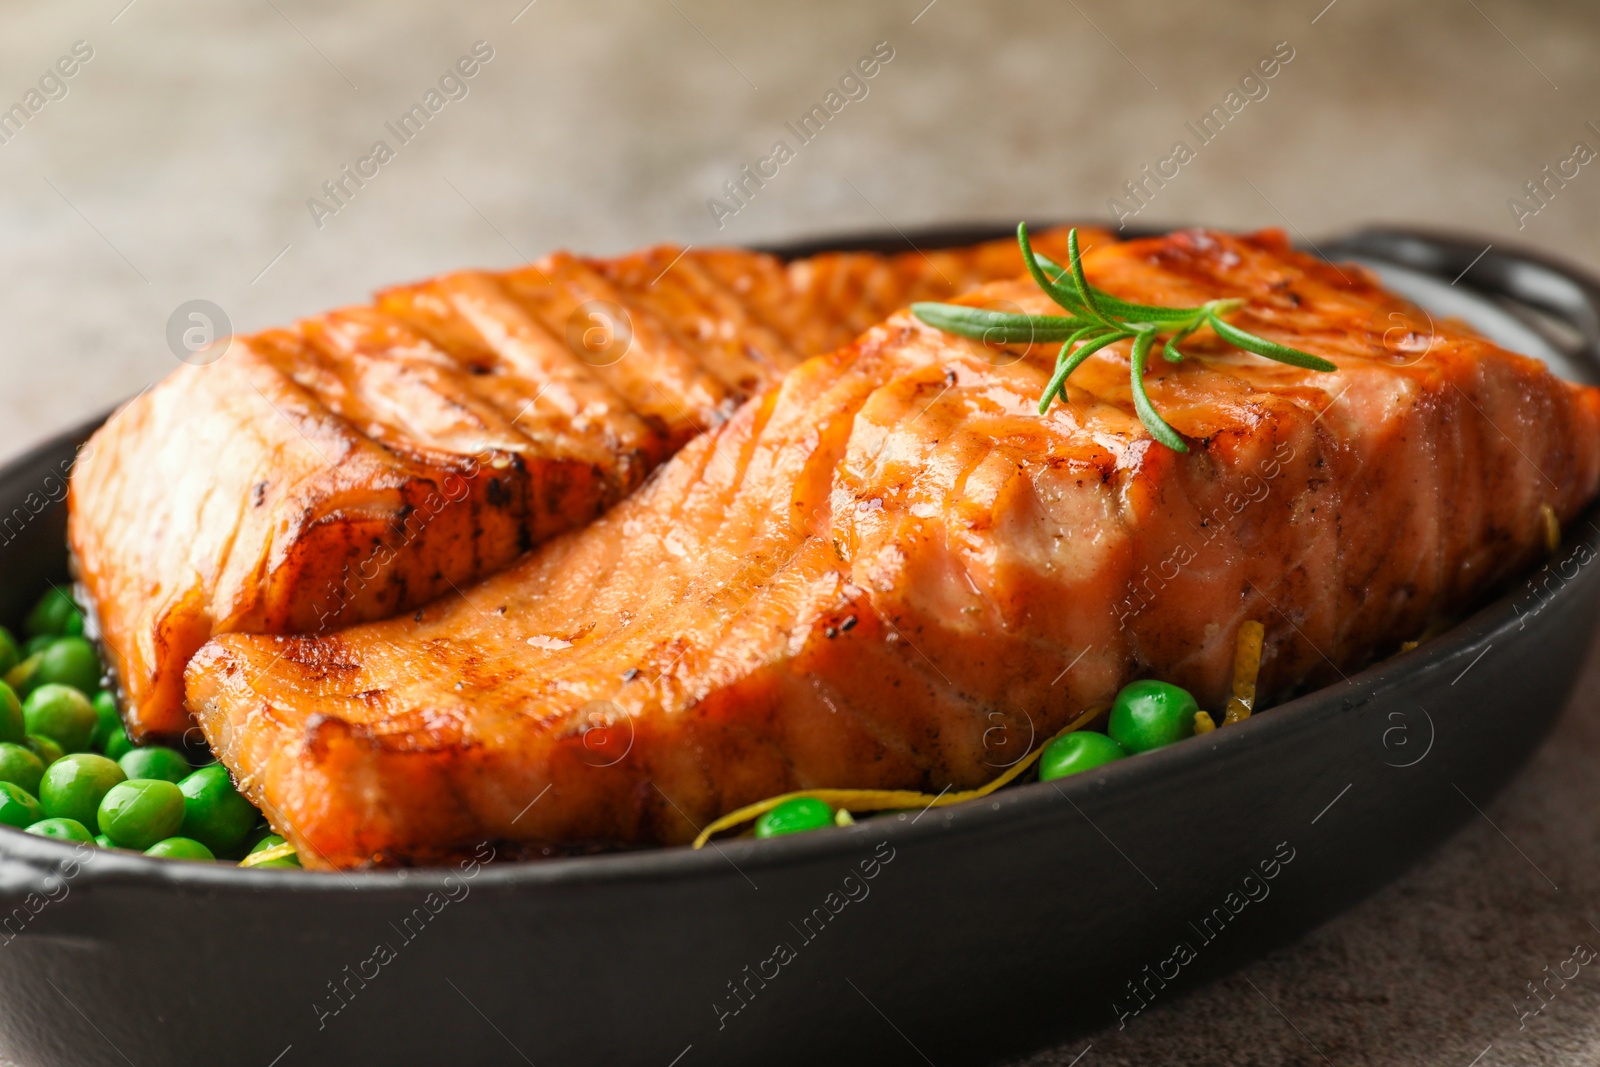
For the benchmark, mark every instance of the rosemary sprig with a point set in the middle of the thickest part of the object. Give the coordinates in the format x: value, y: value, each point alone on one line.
x: 1096, y: 319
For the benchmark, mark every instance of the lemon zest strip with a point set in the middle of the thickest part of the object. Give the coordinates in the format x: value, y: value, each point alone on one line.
x: 1246, y: 671
x: 276, y: 852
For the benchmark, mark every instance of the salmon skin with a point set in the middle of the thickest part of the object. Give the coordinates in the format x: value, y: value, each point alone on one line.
x: 890, y: 572
x: 368, y: 460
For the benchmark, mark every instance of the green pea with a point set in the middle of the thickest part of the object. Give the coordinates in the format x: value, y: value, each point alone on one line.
x: 62, y: 713
x: 22, y: 677
x: 62, y: 830
x: 35, y: 645
x: 73, y: 787
x: 270, y: 841
x: 45, y: 748
x: 281, y: 863
x: 18, y: 809
x: 155, y: 762
x: 138, y: 814
x: 214, y: 812
x: 70, y: 661
x: 1149, y: 714
x: 55, y: 613
x: 21, y: 767
x: 13, y: 724
x: 105, y: 712
x: 794, y: 816
x: 10, y: 654
x: 1080, y: 750
x: 179, y: 848
x: 117, y: 744
x: 104, y: 842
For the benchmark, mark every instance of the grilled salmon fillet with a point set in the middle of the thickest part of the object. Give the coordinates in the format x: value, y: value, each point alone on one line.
x: 880, y: 567
x: 371, y: 459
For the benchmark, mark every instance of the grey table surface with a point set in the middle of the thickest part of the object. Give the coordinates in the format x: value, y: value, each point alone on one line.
x: 178, y: 161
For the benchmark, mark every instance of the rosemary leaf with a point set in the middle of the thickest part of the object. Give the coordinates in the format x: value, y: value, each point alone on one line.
x: 1141, y: 400
x: 1057, y: 292
x: 1075, y: 261
x: 1169, y: 351
x: 1067, y: 363
x: 1262, y: 347
x: 999, y: 327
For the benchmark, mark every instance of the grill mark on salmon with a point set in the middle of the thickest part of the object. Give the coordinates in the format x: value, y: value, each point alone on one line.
x: 368, y: 460
x: 687, y: 652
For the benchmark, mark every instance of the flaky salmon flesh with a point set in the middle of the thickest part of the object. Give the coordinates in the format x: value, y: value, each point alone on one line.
x: 368, y: 460
x: 890, y: 571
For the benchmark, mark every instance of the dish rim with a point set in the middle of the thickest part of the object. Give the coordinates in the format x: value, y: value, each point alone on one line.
x: 1495, y: 621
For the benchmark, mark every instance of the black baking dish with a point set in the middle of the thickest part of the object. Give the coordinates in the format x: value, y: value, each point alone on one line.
x: 958, y: 935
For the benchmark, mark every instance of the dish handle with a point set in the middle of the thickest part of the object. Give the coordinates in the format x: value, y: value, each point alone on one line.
x: 1559, y: 300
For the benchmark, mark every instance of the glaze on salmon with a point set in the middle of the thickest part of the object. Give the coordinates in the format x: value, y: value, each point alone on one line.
x: 369, y: 460
x: 879, y: 567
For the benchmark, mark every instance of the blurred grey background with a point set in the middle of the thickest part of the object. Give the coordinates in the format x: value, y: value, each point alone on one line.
x: 177, y: 162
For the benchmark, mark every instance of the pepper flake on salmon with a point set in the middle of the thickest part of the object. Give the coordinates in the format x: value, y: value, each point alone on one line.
x: 908, y: 485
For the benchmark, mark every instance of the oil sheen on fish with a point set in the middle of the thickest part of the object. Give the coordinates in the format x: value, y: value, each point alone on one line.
x: 366, y: 461
x: 889, y: 568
